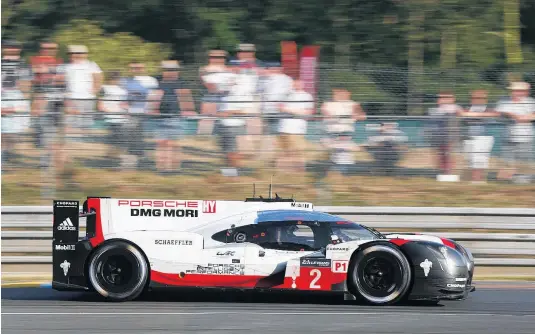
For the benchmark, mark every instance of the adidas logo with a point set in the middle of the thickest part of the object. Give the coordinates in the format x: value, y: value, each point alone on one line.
x: 66, y: 225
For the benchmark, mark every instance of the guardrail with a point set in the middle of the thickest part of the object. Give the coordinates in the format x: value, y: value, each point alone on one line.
x: 496, y: 236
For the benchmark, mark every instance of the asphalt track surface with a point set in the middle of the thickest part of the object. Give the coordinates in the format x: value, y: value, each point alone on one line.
x: 493, y: 308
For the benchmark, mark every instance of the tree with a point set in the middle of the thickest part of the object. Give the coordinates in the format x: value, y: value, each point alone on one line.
x: 112, y: 51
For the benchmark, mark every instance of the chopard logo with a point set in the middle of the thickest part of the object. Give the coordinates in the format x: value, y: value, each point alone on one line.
x: 66, y: 203
x: 338, y: 249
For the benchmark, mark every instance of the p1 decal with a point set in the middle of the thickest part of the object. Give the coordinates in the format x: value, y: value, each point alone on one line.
x: 315, y: 275
x: 339, y: 266
x: 209, y: 206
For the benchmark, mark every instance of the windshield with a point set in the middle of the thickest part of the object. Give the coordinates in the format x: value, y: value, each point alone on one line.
x: 350, y: 231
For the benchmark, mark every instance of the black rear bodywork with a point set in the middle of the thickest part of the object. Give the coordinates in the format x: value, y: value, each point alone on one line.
x: 69, y: 252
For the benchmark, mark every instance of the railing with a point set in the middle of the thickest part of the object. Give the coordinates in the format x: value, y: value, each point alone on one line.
x: 496, y: 236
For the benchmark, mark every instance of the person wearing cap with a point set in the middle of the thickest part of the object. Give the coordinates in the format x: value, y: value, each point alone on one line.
x: 240, y: 100
x: 249, y: 70
x: 16, y: 81
x: 16, y: 73
x: 444, y: 136
x: 140, y: 88
x: 176, y: 103
x: 478, y: 142
x: 247, y: 53
x: 276, y: 88
x: 83, y: 79
x: 217, y: 79
x: 520, y: 109
x: 113, y: 104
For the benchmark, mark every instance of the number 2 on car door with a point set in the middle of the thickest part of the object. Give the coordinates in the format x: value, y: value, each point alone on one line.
x: 316, y: 275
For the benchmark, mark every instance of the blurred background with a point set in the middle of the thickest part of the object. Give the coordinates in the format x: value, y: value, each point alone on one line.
x: 363, y: 102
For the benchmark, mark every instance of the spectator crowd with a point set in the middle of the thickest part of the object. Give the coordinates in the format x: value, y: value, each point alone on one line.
x: 242, y: 98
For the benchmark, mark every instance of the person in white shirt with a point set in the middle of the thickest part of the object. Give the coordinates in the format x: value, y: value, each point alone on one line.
x: 15, y: 119
x: 478, y: 142
x: 16, y: 79
x: 216, y: 77
x: 83, y: 79
x: 293, y: 127
x: 276, y: 87
x: 239, y: 101
x: 521, y: 110
x: 340, y: 115
x: 248, y: 80
x: 114, y: 104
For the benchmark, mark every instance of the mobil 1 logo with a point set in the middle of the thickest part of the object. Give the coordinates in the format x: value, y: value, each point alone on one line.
x: 167, y: 212
x: 65, y: 247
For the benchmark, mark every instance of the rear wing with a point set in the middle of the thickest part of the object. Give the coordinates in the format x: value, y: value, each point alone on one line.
x: 66, y: 220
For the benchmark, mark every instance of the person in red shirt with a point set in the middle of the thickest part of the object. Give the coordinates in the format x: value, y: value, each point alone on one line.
x: 49, y: 88
x: 44, y: 64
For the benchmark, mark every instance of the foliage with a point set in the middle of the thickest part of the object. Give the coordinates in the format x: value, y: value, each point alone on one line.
x: 483, y: 36
x: 112, y: 51
x: 364, y: 30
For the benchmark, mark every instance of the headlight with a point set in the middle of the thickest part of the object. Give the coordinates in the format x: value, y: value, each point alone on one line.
x: 446, y: 257
x: 450, y: 263
x: 468, y: 257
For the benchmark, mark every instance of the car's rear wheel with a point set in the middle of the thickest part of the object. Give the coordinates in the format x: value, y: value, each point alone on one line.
x: 118, y: 271
x: 380, y: 274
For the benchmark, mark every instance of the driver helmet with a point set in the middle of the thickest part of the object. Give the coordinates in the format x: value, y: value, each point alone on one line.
x: 341, y: 235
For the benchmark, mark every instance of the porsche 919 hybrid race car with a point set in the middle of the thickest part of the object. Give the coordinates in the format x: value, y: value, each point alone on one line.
x: 134, y: 245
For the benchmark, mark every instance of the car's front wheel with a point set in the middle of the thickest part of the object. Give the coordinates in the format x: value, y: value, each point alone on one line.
x: 118, y: 271
x: 380, y: 274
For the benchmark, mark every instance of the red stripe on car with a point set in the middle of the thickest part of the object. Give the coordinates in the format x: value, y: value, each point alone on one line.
x: 99, y: 235
x: 204, y: 280
x: 398, y: 241
x: 448, y: 242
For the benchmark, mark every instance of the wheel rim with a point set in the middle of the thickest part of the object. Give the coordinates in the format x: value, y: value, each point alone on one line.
x: 118, y: 272
x: 379, y: 276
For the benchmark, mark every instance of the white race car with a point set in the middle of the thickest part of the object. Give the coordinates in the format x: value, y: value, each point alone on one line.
x: 132, y: 245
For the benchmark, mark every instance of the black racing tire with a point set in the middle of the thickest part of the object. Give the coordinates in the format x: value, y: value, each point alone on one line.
x: 380, y: 274
x: 118, y: 271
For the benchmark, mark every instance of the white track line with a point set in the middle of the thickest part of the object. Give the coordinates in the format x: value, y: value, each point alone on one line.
x: 261, y: 313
